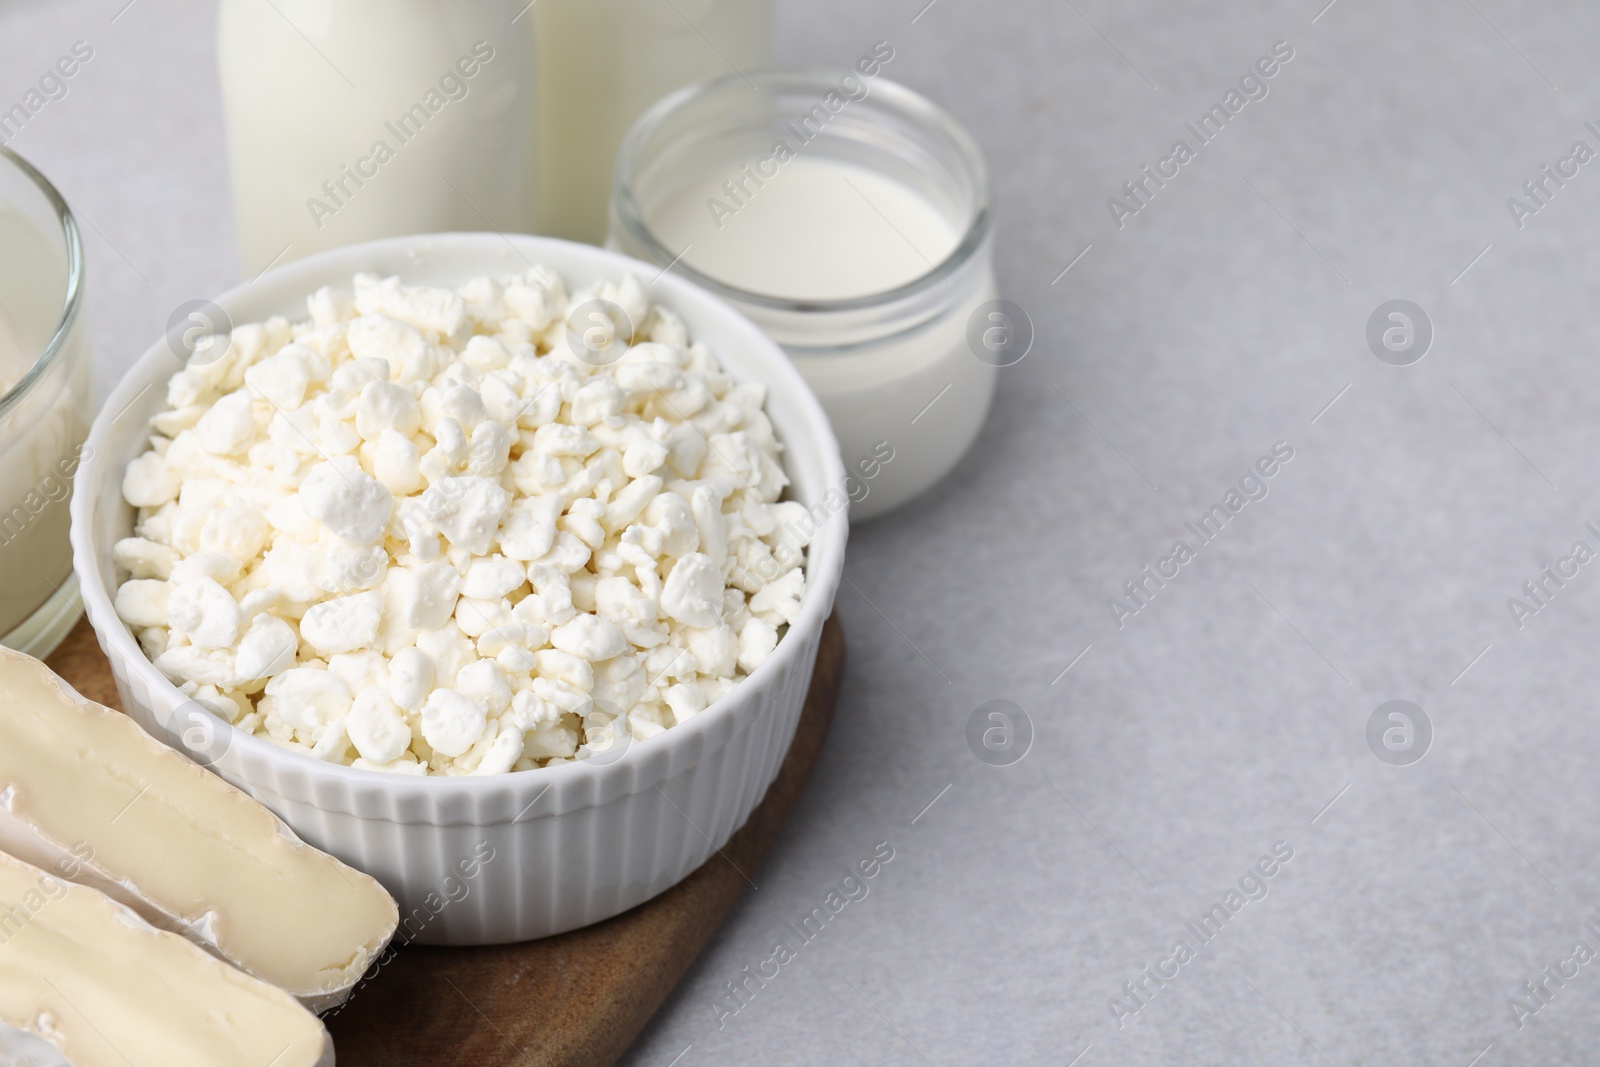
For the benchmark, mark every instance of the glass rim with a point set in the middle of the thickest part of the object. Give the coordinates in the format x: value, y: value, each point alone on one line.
x: 73, y: 301
x: 908, y: 103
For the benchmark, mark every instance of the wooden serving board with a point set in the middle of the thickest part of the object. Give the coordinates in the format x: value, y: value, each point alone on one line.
x: 577, y: 998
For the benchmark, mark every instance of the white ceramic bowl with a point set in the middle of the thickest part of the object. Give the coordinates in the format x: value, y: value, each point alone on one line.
x: 571, y: 844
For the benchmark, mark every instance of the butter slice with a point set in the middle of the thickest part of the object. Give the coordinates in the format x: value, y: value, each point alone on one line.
x: 104, y: 987
x: 88, y: 795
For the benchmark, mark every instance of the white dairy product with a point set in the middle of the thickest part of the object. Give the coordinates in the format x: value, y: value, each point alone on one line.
x: 15, y: 354
x: 849, y: 218
x: 600, y: 64
x: 33, y: 279
x: 905, y: 409
x: 817, y: 227
x: 461, y: 531
x: 359, y: 119
x: 105, y: 989
x: 87, y: 793
x: 41, y: 428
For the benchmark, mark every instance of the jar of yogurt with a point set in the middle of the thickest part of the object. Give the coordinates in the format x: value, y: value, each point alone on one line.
x: 349, y: 120
x: 599, y: 65
x: 44, y: 406
x: 849, y: 218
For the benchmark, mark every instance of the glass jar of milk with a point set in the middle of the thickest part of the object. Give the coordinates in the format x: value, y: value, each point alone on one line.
x: 44, y: 406
x: 349, y: 120
x: 850, y: 219
x: 599, y: 65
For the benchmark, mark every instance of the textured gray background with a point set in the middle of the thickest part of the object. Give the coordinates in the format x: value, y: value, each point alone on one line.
x: 1230, y: 713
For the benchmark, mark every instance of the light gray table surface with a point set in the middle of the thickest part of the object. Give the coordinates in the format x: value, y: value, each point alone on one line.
x: 1230, y: 713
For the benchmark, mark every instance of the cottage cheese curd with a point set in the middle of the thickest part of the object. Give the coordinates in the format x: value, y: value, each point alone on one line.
x: 434, y: 531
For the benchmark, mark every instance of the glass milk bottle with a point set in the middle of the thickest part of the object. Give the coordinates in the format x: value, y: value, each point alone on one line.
x: 600, y: 64
x: 350, y: 120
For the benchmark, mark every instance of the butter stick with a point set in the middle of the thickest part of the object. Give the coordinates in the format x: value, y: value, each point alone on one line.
x: 106, y: 989
x: 88, y: 795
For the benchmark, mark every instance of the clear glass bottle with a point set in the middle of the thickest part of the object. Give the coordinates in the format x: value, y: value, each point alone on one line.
x: 44, y: 406
x: 350, y: 120
x: 600, y: 65
x: 906, y: 372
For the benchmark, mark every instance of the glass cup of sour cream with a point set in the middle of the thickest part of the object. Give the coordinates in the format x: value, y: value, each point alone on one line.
x: 45, y: 406
x: 850, y: 219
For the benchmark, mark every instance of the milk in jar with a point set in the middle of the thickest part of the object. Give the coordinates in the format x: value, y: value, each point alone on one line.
x: 850, y: 219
